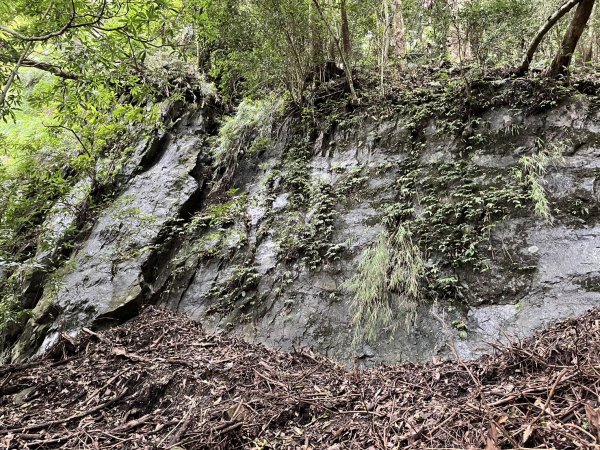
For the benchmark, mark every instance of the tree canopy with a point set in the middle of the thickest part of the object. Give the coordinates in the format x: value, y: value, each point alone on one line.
x: 250, y: 46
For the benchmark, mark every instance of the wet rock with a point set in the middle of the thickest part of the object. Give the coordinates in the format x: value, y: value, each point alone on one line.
x: 106, y: 279
x: 281, y: 201
x: 537, y: 271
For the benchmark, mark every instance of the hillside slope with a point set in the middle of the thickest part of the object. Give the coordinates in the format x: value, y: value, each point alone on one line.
x: 378, y: 231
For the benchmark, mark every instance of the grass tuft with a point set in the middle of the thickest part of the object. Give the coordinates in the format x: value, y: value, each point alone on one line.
x: 387, y: 285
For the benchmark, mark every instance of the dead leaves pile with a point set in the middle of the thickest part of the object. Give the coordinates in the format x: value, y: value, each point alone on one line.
x: 159, y: 382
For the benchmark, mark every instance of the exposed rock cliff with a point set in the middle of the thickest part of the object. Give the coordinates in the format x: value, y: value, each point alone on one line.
x: 266, y: 232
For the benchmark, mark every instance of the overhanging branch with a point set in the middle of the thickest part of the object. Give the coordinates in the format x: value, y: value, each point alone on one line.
x: 68, y: 26
x: 50, y: 68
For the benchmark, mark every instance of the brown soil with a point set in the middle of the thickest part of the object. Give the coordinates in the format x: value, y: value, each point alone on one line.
x: 160, y: 382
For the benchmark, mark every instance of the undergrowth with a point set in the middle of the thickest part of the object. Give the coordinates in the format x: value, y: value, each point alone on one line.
x: 530, y: 172
x: 213, y: 230
x: 247, y: 132
x: 388, y: 282
x: 309, y: 237
x: 235, y: 291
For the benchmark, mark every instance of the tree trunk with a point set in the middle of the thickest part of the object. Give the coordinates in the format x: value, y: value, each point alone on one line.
x: 587, y: 42
x: 385, y: 44
x: 560, y: 64
x: 552, y: 20
x: 316, y: 42
x: 346, y: 43
x: 386, y: 35
x: 587, y: 49
x: 398, y: 38
x: 339, y: 46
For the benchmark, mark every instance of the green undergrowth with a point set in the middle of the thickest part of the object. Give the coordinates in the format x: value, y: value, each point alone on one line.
x: 12, y: 317
x: 248, y: 132
x: 307, y: 234
x: 236, y: 292
x: 388, y: 283
x: 444, y: 213
x: 211, y: 232
x: 530, y: 172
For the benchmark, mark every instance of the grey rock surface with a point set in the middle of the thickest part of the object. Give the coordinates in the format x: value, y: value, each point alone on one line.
x: 553, y: 270
x: 248, y: 273
x: 105, y: 279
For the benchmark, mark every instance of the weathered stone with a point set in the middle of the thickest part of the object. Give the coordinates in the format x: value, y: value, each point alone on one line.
x: 537, y: 272
x: 107, y: 279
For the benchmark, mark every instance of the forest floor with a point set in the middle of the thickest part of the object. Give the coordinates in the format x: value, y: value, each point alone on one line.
x: 160, y: 382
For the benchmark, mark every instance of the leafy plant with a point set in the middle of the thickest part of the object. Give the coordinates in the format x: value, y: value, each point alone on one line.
x: 246, y: 132
x: 532, y: 169
x: 236, y: 291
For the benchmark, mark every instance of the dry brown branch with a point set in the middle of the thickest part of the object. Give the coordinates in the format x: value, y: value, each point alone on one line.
x: 537, y: 393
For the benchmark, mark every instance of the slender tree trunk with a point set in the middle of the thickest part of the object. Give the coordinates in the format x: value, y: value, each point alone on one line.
x: 385, y: 44
x: 552, y: 20
x: 593, y: 45
x: 586, y: 46
x: 346, y: 42
x: 562, y: 61
x: 316, y: 42
x: 458, y: 42
x: 338, y: 45
x: 398, y: 31
x: 587, y: 42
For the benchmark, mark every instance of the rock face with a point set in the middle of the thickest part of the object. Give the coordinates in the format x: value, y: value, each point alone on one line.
x: 106, y: 279
x: 270, y: 254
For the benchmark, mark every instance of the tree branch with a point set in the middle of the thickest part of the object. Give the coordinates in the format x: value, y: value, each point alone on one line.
x: 62, y: 127
x: 11, y: 78
x: 50, y: 68
x: 11, y: 56
x: 69, y: 25
x: 552, y: 20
